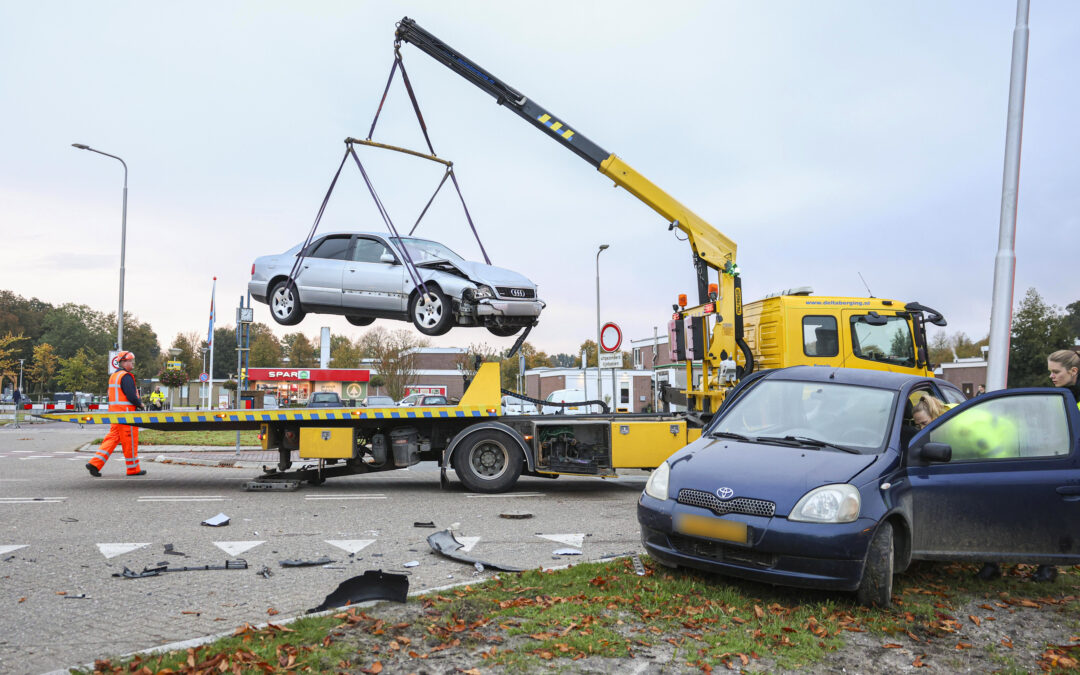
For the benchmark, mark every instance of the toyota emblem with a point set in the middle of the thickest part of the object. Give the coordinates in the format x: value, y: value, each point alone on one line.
x: 725, y: 493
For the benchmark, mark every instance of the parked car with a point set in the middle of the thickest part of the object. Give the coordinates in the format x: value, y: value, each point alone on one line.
x: 515, y: 406
x: 324, y: 399
x: 817, y: 477
x: 569, y: 396
x: 423, y: 400
x: 362, y: 275
x: 379, y: 402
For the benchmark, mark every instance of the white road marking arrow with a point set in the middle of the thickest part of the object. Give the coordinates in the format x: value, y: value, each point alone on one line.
x: 575, y: 540
x: 467, y: 542
x: 11, y: 547
x: 235, y: 548
x: 350, y: 545
x: 113, y: 550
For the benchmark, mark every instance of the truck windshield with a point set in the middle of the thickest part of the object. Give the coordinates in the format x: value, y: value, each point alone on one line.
x: 889, y: 342
x: 835, y: 414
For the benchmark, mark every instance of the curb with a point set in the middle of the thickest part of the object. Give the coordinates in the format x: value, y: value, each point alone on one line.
x: 194, y: 461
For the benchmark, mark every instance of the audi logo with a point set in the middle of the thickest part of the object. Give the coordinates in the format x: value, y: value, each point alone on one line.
x: 517, y: 292
x: 725, y: 493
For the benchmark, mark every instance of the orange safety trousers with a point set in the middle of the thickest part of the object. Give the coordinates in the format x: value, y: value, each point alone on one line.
x: 127, y: 437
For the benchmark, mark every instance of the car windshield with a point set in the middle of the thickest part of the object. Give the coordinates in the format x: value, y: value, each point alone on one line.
x: 324, y: 397
x: 425, y: 250
x: 811, y: 414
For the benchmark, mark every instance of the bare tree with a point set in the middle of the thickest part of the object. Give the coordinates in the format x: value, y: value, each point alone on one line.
x: 394, y: 356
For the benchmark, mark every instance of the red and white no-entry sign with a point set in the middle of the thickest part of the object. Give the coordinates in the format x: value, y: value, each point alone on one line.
x: 610, y: 338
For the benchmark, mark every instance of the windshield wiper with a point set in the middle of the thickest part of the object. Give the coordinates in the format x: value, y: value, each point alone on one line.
x: 728, y: 434
x: 816, y: 443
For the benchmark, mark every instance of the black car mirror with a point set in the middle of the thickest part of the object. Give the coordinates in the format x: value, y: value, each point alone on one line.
x: 933, y: 452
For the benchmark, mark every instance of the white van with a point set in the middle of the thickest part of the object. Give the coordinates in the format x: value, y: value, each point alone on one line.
x: 511, y: 405
x: 569, y: 396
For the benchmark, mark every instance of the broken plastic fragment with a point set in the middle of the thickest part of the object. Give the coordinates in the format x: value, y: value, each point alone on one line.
x: 371, y: 585
x: 307, y: 563
x: 220, y: 520
x: 429, y: 523
x: 566, y: 551
x: 444, y: 543
x: 169, y: 550
x: 516, y: 515
x: 412, y: 563
x: 236, y: 564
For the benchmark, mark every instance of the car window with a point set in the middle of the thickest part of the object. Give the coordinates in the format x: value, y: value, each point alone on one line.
x: 1033, y: 425
x: 369, y: 250
x: 951, y: 395
x: 324, y: 396
x: 820, y: 337
x: 332, y: 248
x: 890, y: 342
x: 422, y: 250
x: 849, y: 415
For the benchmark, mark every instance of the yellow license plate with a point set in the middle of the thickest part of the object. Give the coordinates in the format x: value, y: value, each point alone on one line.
x: 713, y: 528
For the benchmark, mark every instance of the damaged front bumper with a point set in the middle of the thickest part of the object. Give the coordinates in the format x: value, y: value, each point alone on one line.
x: 526, y: 309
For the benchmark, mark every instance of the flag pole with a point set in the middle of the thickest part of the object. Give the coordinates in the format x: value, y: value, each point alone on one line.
x: 210, y: 341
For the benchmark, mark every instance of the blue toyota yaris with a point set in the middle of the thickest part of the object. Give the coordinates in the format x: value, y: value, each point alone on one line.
x: 818, y: 477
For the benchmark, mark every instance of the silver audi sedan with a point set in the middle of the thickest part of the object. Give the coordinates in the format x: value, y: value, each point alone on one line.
x: 362, y: 276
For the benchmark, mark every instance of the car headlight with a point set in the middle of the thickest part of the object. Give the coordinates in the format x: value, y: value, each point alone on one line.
x: 838, y: 503
x: 483, y: 291
x: 657, y: 485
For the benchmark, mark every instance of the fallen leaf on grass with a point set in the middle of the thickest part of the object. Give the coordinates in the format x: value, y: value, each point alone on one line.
x: 918, y: 662
x: 375, y: 668
x: 1007, y: 642
x: 189, y: 611
x: 23, y: 599
x: 975, y: 620
x: 1029, y: 603
x: 963, y: 645
x: 892, y: 645
x: 272, y: 611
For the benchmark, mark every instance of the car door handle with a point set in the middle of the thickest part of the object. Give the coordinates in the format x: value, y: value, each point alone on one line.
x: 1071, y: 493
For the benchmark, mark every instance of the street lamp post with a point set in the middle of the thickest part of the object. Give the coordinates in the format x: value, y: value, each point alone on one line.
x: 123, y: 244
x: 202, y: 385
x: 603, y: 247
x: 20, y: 376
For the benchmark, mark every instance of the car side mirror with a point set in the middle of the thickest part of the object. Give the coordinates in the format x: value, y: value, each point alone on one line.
x: 933, y: 452
x: 387, y: 258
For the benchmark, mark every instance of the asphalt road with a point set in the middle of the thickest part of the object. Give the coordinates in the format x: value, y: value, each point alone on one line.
x: 64, y: 533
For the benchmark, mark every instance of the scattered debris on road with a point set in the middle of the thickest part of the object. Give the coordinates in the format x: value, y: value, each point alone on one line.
x: 566, y: 551
x: 220, y: 520
x: 371, y: 585
x: 237, y: 564
x: 516, y: 515
x: 444, y: 543
x: 307, y: 563
x: 169, y: 550
x: 430, y: 524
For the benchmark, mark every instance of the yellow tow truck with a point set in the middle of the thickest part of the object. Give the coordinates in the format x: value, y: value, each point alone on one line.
x: 489, y: 451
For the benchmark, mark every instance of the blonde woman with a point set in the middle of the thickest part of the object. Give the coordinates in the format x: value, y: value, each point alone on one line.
x: 927, y: 410
x: 1064, y: 367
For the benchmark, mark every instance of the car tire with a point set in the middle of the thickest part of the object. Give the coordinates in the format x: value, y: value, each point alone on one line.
x: 503, y: 331
x: 488, y: 462
x: 435, y: 316
x: 875, y: 589
x: 360, y: 320
x: 284, y: 303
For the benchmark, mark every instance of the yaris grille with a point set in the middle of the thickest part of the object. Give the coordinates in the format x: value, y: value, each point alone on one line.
x: 745, y: 505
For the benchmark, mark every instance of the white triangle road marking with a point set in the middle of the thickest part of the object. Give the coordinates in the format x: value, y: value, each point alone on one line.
x: 350, y: 545
x: 575, y: 540
x: 235, y: 548
x: 11, y: 547
x: 467, y: 543
x: 113, y: 550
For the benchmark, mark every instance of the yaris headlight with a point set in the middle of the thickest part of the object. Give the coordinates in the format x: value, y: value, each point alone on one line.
x: 838, y: 503
x: 657, y: 485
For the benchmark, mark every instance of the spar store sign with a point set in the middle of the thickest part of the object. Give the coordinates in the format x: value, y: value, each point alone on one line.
x: 311, y: 375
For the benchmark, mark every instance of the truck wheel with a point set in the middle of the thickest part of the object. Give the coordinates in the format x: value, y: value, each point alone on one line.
x: 875, y: 589
x: 285, y: 304
x: 360, y: 320
x: 504, y: 331
x: 435, y: 316
x: 488, y: 461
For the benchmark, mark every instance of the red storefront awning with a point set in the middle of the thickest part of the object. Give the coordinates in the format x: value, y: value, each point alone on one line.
x: 309, y: 374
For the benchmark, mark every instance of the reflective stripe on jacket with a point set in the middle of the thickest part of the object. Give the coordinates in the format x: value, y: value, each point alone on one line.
x: 118, y: 402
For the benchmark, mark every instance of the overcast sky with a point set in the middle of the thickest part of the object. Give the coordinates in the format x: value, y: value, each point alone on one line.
x: 827, y: 139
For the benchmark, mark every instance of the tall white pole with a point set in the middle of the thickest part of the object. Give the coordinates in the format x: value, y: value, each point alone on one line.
x: 598, y: 386
x: 997, y: 370
x: 213, y: 311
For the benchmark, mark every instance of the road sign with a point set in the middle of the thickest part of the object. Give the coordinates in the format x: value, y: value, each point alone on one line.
x: 613, y: 360
x: 204, y: 377
x: 174, y: 365
x: 610, y: 338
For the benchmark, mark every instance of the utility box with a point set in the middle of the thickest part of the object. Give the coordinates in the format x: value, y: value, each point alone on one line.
x: 328, y: 442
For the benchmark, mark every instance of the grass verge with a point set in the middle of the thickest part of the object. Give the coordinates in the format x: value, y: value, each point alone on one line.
x: 601, y: 615
x: 214, y: 438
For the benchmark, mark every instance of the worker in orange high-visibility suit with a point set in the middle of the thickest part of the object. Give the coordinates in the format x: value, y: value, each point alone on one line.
x: 123, y: 397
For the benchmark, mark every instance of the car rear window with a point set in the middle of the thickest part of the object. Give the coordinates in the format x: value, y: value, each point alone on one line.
x: 332, y: 248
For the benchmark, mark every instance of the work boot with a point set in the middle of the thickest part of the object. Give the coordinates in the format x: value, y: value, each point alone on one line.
x: 141, y: 472
x: 1046, y: 573
x: 93, y: 470
x: 989, y: 572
